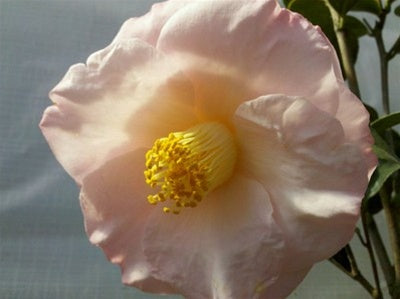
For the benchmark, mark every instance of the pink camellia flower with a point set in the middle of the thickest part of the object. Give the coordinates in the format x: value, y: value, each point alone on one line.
x: 218, y: 150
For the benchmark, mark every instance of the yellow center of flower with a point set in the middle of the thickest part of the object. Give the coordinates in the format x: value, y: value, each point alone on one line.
x: 186, y: 166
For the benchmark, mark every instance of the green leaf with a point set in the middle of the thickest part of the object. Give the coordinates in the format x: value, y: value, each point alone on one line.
x: 386, y: 122
x: 373, y: 115
x: 384, y: 155
x: 318, y: 13
x: 397, y: 11
x: 371, y: 6
x: 342, y: 6
x: 374, y: 204
x: 354, y: 29
x: 379, y: 141
x: 396, y: 142
x: 396, y: 200
x: 389, y: 163
x: 354, y: 26
x: 384, y: 170
x: 342, y: 258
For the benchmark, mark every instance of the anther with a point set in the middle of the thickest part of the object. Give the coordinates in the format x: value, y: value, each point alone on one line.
x: 186, y: 166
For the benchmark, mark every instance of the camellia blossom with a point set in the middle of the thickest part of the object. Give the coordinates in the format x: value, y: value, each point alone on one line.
x: 218, y: 150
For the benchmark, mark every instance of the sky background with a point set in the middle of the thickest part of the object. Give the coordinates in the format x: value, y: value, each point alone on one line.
x: 44, y: 252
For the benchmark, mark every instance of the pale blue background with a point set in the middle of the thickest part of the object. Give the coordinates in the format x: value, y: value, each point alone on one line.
x: 44, y: 252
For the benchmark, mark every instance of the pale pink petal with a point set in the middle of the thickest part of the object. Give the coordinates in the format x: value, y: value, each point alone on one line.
x: 114, y: 205
x: 227, y: 247
x: 257, y: 47
x: 304, y: 155
x: 315, y: 178
x: 126, y: 96
x: 285, y: 284
x: 355, y: 121
x: 148, y: 27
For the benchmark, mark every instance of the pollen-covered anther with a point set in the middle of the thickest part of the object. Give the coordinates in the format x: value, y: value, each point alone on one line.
x: 185, y: 166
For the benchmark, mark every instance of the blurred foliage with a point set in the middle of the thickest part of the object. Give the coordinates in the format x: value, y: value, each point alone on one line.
x: 319, y: 14
x: 336, y: 20
x: 397, y: 11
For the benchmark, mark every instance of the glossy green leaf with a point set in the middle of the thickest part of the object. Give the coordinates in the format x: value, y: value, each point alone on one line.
x: 396, y: 201
x: 354, y: 26
x: 397, y: 11
x: 354, y: 29
x: 396, y: 142
x: 371, y: 6
x: 317, y: 13
x: 379, y: 141
x: 386, y: 122
x: 342, y: 6
x: 384, y: 170
x: 373, y: 115
x: 389, y: 163
x: 341, y: 258
x: 374, y: 204
x: 384, y: 155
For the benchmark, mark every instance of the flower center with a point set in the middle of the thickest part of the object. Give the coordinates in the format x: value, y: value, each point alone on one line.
x: 186, y: 166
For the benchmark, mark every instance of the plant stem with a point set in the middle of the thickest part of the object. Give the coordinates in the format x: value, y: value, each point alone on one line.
x: 348, y: 66
x: 349, y: 70
x: 356, y: 274
x: 366, y: 219
x: 394, y: 236
x: 384, y: 70
x: 393, y: 227
x: 380, y: 250
x: 395, y: 49
x: 385, y: 193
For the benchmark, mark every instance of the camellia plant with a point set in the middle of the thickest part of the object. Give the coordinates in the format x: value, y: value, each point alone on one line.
x: 220, y: 152
x: 343, y: 28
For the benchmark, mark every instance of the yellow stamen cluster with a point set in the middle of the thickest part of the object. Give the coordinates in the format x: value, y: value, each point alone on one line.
x: 186, y: 166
